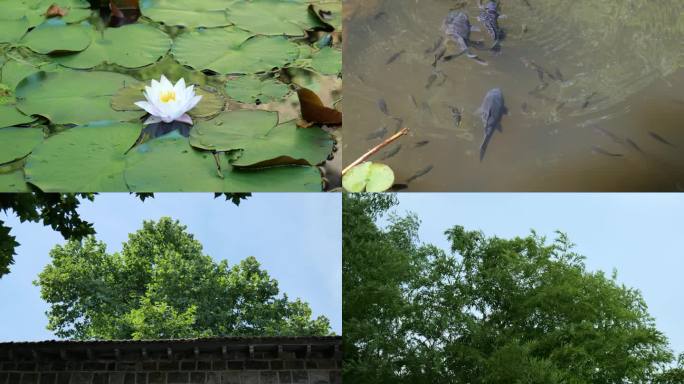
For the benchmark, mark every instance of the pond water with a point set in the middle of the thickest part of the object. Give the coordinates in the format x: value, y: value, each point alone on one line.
x: 595, y: 93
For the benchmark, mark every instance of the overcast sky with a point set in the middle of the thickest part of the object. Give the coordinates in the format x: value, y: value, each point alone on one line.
x: 295, y: 237
x: 641, y: 235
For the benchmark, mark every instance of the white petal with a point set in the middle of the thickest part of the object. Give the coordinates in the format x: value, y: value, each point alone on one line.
x: 165, y: 83
x: 185, y: 119
x: 148, y: 107
x: 180, y: 86
x: 152, y: 120
x: 193, y: 103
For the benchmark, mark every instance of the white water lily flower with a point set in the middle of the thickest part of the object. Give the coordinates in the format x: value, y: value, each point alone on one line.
x: 167, y: 102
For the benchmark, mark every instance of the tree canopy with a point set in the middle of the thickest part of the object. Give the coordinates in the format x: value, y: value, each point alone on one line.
x: 488, y: 310
x: 161, y: 285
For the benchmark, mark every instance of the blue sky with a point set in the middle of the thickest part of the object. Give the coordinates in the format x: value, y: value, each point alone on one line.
x: 296, y: 238
x: 638, y: 234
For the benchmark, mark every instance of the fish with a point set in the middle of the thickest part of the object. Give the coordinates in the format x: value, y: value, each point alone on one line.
x: 431, y: 80
x: 413, y: 100
x: 599, y: 150
x: 421, y: 143
x: 609, y: 134
x: 420, y: 173
x: 394, y: 57
x: 377, y: 134
x: 382, y: 106
x: 492, y: 111
x: 392, y: 152
x: 587, y: 100
x: 559, y: 75
x: 633, y: 145
x: 489, y: 17
x: 661, y: 139
x: 457, y: 27
x: 456, y: 115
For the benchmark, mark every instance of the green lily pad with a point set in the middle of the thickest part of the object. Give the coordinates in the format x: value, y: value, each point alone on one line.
x: 169, y: 163
x: 130, y: 46
x: 327, y: 61
x: 13, y: 182
x: 271, y: 17
x: 9, y: 116
x: 34, y: 10
x: 12, y: 30
x: 15, y: 71
x: 250, y: 89
x: 16, y: 143
x: 211, y: 104
x: 55, y: 36
x: 189, y: 14
x: 71, y: 97
x: 231, y: 51
x: 369, y: 177
x: 88, y: 158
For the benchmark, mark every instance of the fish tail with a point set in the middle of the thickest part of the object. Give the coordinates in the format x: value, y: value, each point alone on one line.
x: 483, y: 147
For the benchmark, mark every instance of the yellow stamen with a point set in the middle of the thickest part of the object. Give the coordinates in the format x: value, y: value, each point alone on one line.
x: 167, y: 96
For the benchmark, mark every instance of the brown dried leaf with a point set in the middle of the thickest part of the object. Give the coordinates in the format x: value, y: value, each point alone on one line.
x: 313, y: 110
x: 56, y: 11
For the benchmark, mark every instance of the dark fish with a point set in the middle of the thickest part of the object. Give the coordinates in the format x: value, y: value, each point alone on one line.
x: 492, y: 110
x: 392, y: 152
x: 661, y: 139
x: 456, y: 116
x: 421, y: 143
x: 602, y: 151
x: 379, y: 15
x: 413, y: 100
x: 420, y: 173
x: 431, y: 80
x: 609, y: 134
x: 382, y: 106
x: 457, y: 27
x: 587, y: 100
x: 377, y: 134
x: 633, y: 145
x: 559, y: 75
x: 394, y: 57
x: 489, y: 17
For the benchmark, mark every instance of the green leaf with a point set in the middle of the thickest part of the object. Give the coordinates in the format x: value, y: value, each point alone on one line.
x: 250, y: 89
x: 211, y: 104
x: 71, y: 97
x: 34, y: 10
x: 231, y: 51
x: 12, y: 30
x: 55, y: 36
x: 130, y: 46
x: 15, y: 71
x: 327, y: 61
x: 88, y: 158
x: 271, y: 17
x: 369, y: 177
x: 16, y: 143
x: 189, y: 14
x: 13, y: 182
x: 9, y: 116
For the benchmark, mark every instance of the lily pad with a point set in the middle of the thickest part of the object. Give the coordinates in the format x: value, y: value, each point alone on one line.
x: 231, y: 51
x: 271, y: 17
x: 16, y: 143
x: 369, y: 177
x: 169, y: 163
x: 34, y: 10
x: 88, y: 158
x: 15, y: 71
x: 263, y: 141
x: 327, y: 61
x: 211, y: 104
x: 12, y: 30
x: 56, y: 36
x: 189, y: 14
x: 71, y: 97
x: 9, y: 116
x: 251, y: 89
x: 130, y: 46
x: 13, y: 182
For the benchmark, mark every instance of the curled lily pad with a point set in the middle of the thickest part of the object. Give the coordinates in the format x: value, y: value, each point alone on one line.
x: 88, y: 158
x: 369, y: 177
x: 56, y: 36
x: 35, y: 10
x: 9, y: 116
x: 71, y: 97
x: 130, y: 46
x: 232, y: 51
x: 271, y: 17
x: 211, y: 104
x: 190, y: 14
x: 16, y: 143
x: 328, y: 12
x: 251, y: 89
x: 12, y: 30
x: 327, y: 61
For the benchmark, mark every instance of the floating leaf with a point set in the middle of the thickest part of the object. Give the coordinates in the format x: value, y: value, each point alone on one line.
x: 327, y: 61
x: 55, y: 36
x: 262, y: 140
x: 16, y: 143
x: 314, y: 111
x: 36, y: 11
x: 190, y: 14
x: 13, y: 182
x: 369, y: 177
x: 211, y: 104
x: 271, y: 17
x: 250, y: 89
x: 9, y: 116
x: 12, y: 30
x: 231, y: 51
x: 15, y: 71
x: 71, y: 97
x: 130, y: 46
x: 88, y: 158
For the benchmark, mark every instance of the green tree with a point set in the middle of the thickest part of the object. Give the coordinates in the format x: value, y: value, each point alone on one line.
x: 59, y: 211
x: 161, y: 285
x: 489, y: 310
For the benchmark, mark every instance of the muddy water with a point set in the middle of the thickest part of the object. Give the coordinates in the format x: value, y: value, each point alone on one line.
x: 595, y: 92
